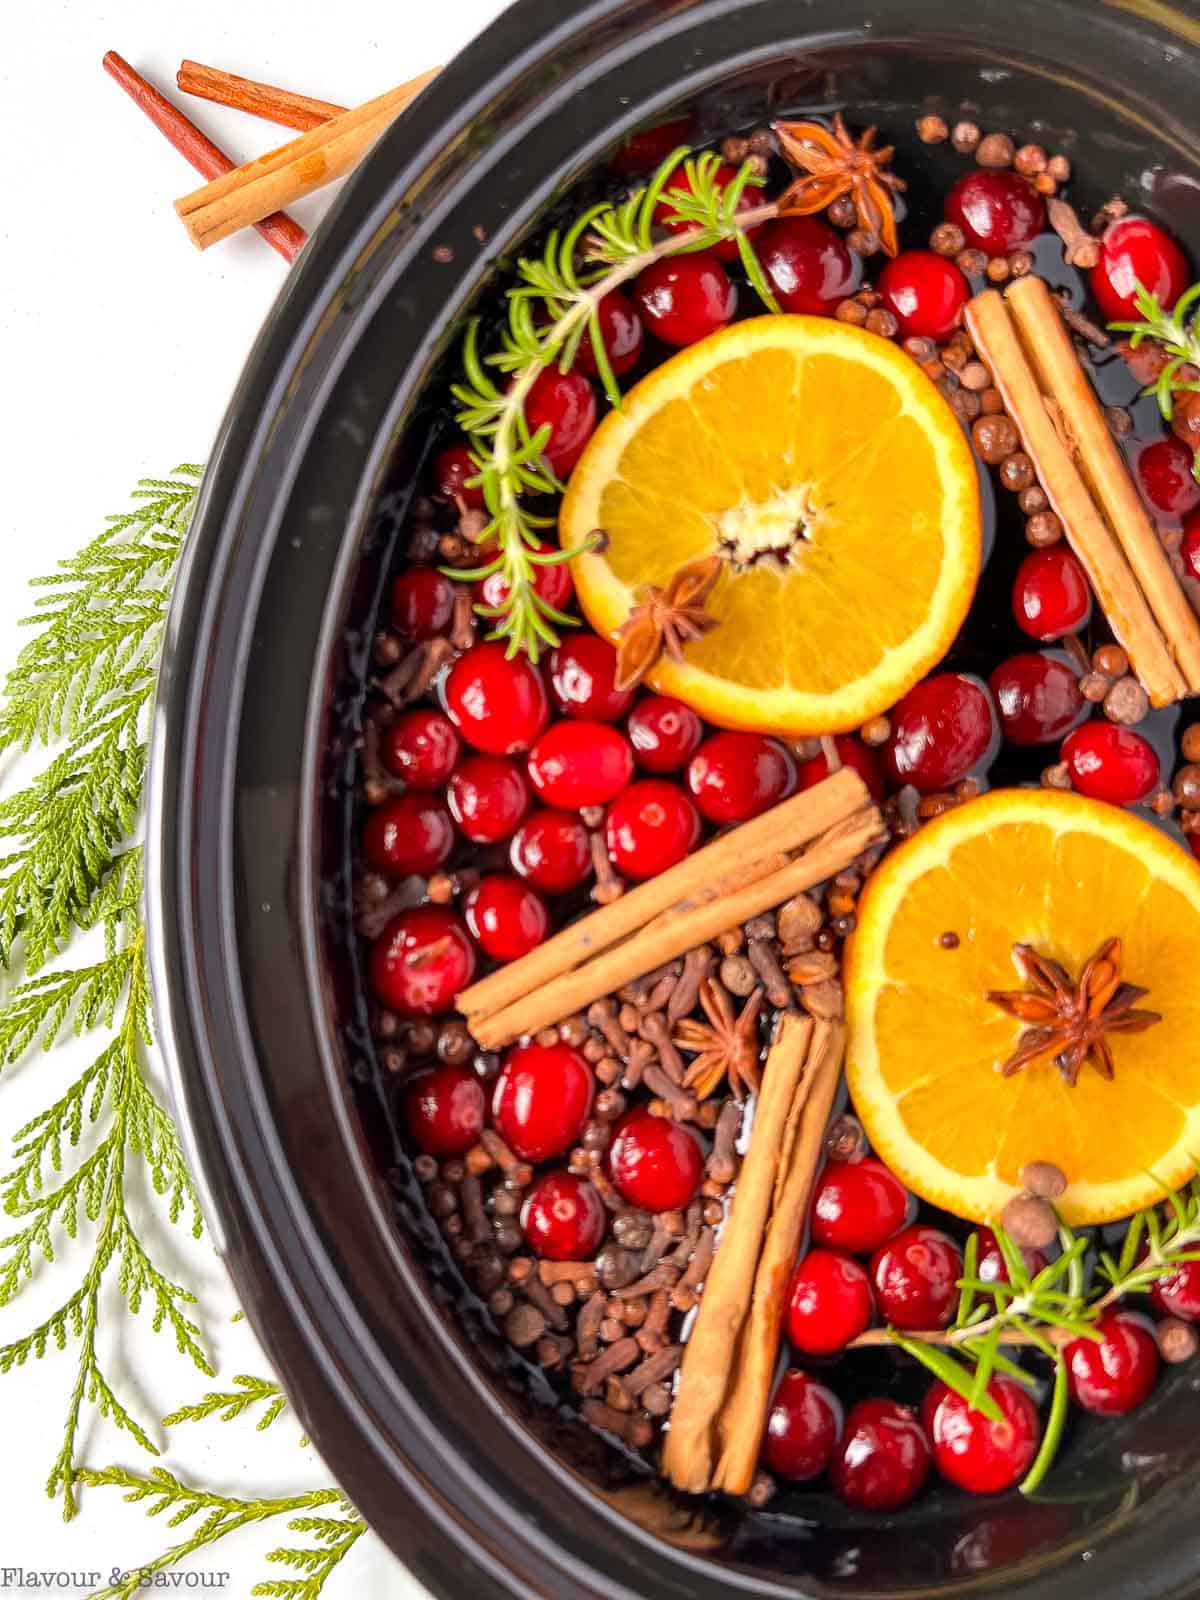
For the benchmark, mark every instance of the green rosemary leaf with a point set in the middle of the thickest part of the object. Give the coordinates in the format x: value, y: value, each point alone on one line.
x: 1052, y: 1435
x: 984, y: 1351
x: 648, y: 202
x: 966, y: 1289
x: 754, y: 271
x: 937, y: 1359
x: 1018, y: 1272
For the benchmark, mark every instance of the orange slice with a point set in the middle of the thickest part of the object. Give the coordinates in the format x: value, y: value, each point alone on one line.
x: 835, y: 479
x: 1063, y: 874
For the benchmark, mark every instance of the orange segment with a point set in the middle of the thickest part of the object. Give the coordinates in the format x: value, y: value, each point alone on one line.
x: 1062, y: 874
x: 842, y: 491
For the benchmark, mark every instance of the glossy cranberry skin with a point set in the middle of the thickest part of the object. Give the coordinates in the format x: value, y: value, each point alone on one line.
x: 551, y: 850
x: 724, y: 249
x: 542, y: 1099
x: 567, y: 402
x: 655, y: 1163
x: 412, y: 833
x: 421, y: 747
x: 1107, y: 762
x: 883, y: 1458
x: 583, y: 672
x: 620, y: 332
x: 829, y: 1302
x: 1115, y: 1376
x: 1135, y: 250
x: 916, y: 1278
x: 858, y: 1205
x: 1178, y: 1294
x: 1050, y: 594
x: 807, y: 264
x: 997, y: 211
x: 940, y: 731
x: 853, y: 753
x: 735, y: 776
x: 580, y: 763
x: 975, y: 1453
x: 1037, y: 697
x: 451, y: 469
x: 664, y: 733
x: 650, y: 827
x: 990, y: 1265
x: 1164, y: 470
x: 649, y: 148
x: 497, y: 702
x: 1190, y: 548
x: 506, y: 917
x: 421, y: 960
x: 444, y: 1109
x: 925, y: 293
x: 563, y: 1218
x: 488, y: 797
x: 803, y: 1426
x: 422, y: 603
x: 552, y: 582
x: 685, y: 298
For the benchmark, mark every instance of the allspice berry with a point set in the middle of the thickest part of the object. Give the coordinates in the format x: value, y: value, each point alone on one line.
x: 1111, y: 659
x: 972, y: 262
x: 965, y: 136
x: 1126, y: 702
x: 932, y: 130
x: 947, y: 239
x: 1191, y: 742
x: 991, y: 402
x: 1017, y: 472
x: 1030, y: 1221
x: 997, y: 150
x: 1029, y: 160
x: 995, y: 438
x: 1033, y: 500
x: 843, y: 213
x: 1177, y: 1341
x: 1042, y: 529
x: 1187, y: 786
x: 1043, y: 1179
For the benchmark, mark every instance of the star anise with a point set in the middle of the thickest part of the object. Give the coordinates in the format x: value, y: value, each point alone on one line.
x: 726, y: 1046
x: 834, y: 164
x: 666, y: 620
x: 1070, y: 1020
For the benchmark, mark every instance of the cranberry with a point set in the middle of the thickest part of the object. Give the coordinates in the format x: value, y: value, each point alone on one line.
x: 551, y: 850
x: 655, y: 1163
x: 1050, y: 593
x: 620, y: 333
x: 858, y: 1205
x: 542, y: 1099
x: 925, y: 293
x: 734, y: 776
x: 853, y: 753
x: 578, y: 764
x: 444, y: 1109
x: 451, y: 470
x: 1136, y: 251
x: 650, y: 827
x: 685, y: 298
x: 551, y: 580
x: 1038, y: 698
x: 649, y: 148
x: 916, y: 1278
x: 883, y: 1458
x: 488, y: 797
x: 421, y: 960
x: 1178, y: 1294
x: 971, y: 1451
x: 940, y: 730
x: 1117, y: 1374
x: 506, y: 917
x: 497, y: 701
x: 1110, y: 763
x: 990, y: 1265
x: 803, y: 1426
x: 829, y: 1302
x: 421, y: 747
x: 422, y: 603
x: 583, y: 672
x: 1164, y: 469
x: 724, y: 249
x: 998, y: 211
x: 664, y: 733
x: 412, y: 833
x: 808, y: 265
x: 1190, y: 548
x: 563, y: 1218
x: 566, y: 402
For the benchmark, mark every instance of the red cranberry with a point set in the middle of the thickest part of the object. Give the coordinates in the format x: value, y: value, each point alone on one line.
x: 649, y: 148
x: 1190, y: 549
x: 421, y: 747
x: 421, y: 960
x: 1164, y: 469
x: 685, y: 298
x: 829, y: 1302
x: 990, y: 1265
x: 620, y: 333
x: 650, y: 827
x: 1117, y: 1374
x: 444, y: 1109
x: 940, y: 730
x: 583, y: 671
x: 581, y: 763
x: 916, y: 1278
x: 808, y: 265
x: 883, y: 1458
x: 664, y: 733
x: 1136, y: 251
x: 925, y: 293
x: 1178, y: 1294
x: 655, y: 1163
x: 412, y: 833
x: 1050, y: 593
x: 1107, y: 762
x: 853, y: 753
x: 542, y: 1099
x: 497, y: 701
x: 1038, y: 698
x: 422, y: 603
x: 858, y: 1205
x: 974, y: 1453
x: 451, y: 470
x: 563, y: 1218
x: 803, y: 1426
x: 724, y: 249
x: 551, y: 580
x: 506, y: 917
x: 566, y: 402
x: 734, y: 776
x: 997, y: 211
x: 488, y: 797
x: 551, y: 850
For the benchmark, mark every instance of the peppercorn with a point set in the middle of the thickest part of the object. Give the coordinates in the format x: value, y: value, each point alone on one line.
x: 997, y: 150
x: 863, y: 241
x: 1017, y: 472
x: 1059, y: 168
x: 991, y: 402
x: 1111, y: 659
x: 1042, y: 529
x: 1093, y: 686
x: 972, y: 262
x: 998, y: 270
x: 882, y: 322
x: 1191, y: 742
x: 932, y: 130
x: 1186, y: 786
x: 920, y: 349
x: 1020, y: 263
x: 965, y: 137
x: 947, y: 239
x: 851, y: 311
x: 1032, y: 500
x: 974, y: 376
x: 842, y: 213
x: 1029, y: 160
x: 995, y: 438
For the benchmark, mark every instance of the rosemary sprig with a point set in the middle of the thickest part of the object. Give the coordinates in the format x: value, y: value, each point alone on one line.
x: 1176, y: 332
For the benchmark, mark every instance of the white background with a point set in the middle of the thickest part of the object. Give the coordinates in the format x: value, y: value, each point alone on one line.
x: 119, y: 346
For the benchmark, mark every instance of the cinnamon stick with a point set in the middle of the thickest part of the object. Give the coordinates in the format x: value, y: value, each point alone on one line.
x: 260, y: 99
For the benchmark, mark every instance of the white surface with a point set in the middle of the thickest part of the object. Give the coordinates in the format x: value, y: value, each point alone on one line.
x: 120, y: 344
